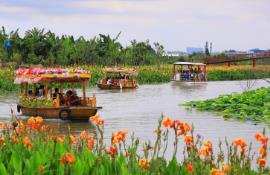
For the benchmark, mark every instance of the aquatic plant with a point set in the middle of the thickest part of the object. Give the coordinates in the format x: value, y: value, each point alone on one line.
x: 32, y: 147
x: 251, y: 105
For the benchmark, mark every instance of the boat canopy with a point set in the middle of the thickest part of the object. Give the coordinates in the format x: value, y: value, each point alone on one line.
x: 39, y: 75
x: 122, y: 71
x: 189, y: 64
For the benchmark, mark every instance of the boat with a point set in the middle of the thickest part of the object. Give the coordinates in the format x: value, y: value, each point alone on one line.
x: 41, y: 101
x: 118, y: 78
x: 189, y: 72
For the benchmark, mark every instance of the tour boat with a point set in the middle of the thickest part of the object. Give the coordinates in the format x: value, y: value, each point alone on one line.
x: 189, y: 72
x: 118, y: 78
x: 43, y: 102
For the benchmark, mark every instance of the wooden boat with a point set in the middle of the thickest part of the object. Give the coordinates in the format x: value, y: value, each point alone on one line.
x: 51, y: 105
x: 189, y: 72
x: 118, y: 79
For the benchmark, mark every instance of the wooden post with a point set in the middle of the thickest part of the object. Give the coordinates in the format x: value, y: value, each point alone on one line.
x: 21, y: 87
x: 46, y: 90
x: 73, y: 87
x: 51, y: 92
x: 84, y: 90
x: 26, y: 89
x: 253, y: 63
x: 229, y: 64
x: 61, y: 88
x: 34, y: 89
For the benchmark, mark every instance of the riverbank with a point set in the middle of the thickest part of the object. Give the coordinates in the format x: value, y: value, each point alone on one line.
x: 251, y: 105
x: 155, y: 74
x: 34, y: 148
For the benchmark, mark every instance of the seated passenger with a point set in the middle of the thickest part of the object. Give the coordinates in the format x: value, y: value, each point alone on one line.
x: 68, y: 98
x: 74, y: 99
x: 56, y: 91
x: 30, y: 93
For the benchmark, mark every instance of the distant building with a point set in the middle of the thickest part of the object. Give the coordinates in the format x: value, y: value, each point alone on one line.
x: 175, y: 53
x: 191, y: 50
x: 234, y: 52
x: 255, y: 50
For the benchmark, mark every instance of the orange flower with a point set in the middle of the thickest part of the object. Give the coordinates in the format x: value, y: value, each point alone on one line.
x: 83, y: 135
x: 31, y: 121
x: 60, y: 139
x: 261, y: 138
x: 188, y: 139
x: 41, y: 168
x: 14, y: 139
x: 73, y: 139
x: 2, y: 139
x: 2, y: 125
x: 189, y: 168
x: 39, y: 120
x: 90, y: 143
x: 203, y: 152
x: 142, y: 162
x: 63, y: 160
x: 262, y: 151
x: 186, y: 127
x: 167, y: 122
x: 97, y: 119
x: 112, y: 150
x: 262, y: 162
x: 240, y: 142
x: 122, y: 134
x: 225, y: 167
x: 69, y: 158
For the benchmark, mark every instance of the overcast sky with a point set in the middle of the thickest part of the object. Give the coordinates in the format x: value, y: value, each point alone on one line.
x: 177, y: 24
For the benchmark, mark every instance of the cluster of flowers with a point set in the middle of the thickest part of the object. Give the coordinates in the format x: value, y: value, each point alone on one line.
x: 37, y: 71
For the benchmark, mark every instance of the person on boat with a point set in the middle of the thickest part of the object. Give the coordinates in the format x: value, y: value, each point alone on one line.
x: 74, y: 99
x: 109, y: 81
x: 30, y: 93
x: 68, y: 97
x: 61, y: 97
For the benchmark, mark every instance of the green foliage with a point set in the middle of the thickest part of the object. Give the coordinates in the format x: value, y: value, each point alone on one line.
x: 251, y: 105
x: 33, y: 102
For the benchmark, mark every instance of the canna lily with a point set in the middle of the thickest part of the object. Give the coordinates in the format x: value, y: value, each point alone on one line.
x: 31, y: 121
x: 240, y: 142
x: 2, y: 125
x: 2, y: 139
x: 261, y: 138
x: 142, y: 162
x: 73, y: 139
x: 90, y: 143
x: 189, y: 168
x: 60, y: 139
x: 188, y: 139
x: 112, y: 150
x: 186, y: 127
x: 39, y: 120
x: 41, y: 168
x: 97, y: 119
x: 262, y: 162
x: 69, y: 158
x: 83, y: 135
x: 27, y: 142
x: 167, y: 122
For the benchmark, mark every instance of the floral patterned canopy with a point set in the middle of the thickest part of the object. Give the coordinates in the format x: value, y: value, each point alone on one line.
x: 38, y: 75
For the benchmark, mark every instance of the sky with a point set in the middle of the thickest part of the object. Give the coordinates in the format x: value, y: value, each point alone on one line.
x: 176, y: 24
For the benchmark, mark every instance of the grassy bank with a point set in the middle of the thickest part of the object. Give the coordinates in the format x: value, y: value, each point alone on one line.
x: 251, y: 105
x: 33, y: 148
x: 155, y: 74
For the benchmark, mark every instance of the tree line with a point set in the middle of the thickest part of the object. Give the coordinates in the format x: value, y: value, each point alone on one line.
x: 39, y: 46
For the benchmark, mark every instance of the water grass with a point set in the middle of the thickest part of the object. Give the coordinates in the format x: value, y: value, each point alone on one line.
x: 253, y: 105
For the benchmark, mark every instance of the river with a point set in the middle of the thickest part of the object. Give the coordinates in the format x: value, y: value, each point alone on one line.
x: 138, y: 110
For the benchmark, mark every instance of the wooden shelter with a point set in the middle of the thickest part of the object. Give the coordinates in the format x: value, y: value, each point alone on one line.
x: 46, y: 104
x: 188, y: 71
x: 122, y: 79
